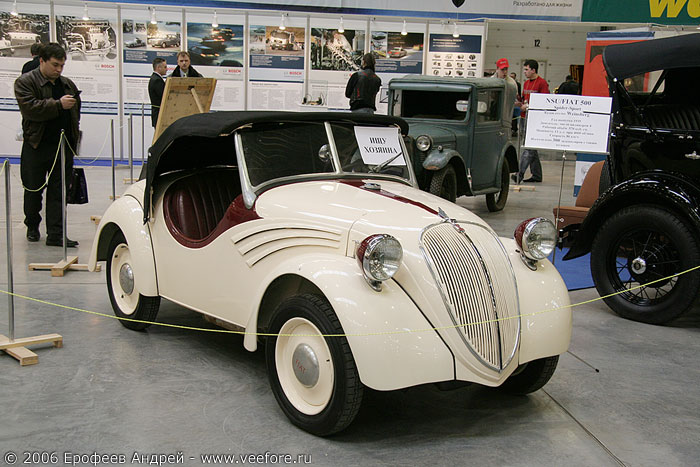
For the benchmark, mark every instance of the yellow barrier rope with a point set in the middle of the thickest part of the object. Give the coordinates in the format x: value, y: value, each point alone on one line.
x: 386, y: 333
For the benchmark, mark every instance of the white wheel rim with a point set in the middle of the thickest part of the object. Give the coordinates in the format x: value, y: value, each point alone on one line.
x: 127, y: 302
x: 309, y: 400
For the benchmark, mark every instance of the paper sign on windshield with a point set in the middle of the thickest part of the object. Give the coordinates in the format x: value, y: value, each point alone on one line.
x: 378, y: 145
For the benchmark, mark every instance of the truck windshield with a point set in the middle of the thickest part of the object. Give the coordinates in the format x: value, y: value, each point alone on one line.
x: 439, y: 105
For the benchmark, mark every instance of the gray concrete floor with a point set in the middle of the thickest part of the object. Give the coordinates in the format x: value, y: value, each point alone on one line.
x: 625, y: 393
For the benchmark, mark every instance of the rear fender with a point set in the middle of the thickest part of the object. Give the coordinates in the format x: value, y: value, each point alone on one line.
x: 126, y: 215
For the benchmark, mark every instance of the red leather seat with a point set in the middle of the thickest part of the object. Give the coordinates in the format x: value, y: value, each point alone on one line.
x: 587, y: 195
x: 194, y: 205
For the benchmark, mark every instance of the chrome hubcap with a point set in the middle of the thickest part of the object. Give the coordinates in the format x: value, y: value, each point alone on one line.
x: 639, y: 266
x: 305, y: 365
x: 126, y: 279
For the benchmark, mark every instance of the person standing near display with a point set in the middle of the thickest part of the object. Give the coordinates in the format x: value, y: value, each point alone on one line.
x: 156, y: 86
x: 183, y: 68
x: 363, y: 86
x: 509, y: 113
x: 34, y: 62
x: 530, y: 157
x: 48, y: 103
x: 569, y: 86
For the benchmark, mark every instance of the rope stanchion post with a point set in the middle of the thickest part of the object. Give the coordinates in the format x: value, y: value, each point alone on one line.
x: 143, y: 128
x: 68, y: 262
x: 114, y: 188
x: 131, y: 148
x: 8, y: 225
x: 17, y: 348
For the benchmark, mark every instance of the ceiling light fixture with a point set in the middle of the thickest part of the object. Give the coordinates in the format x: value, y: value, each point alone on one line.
x: 153, y: 15
x: 283, y: 26
x: 14, y: 9
x: 341, y: 29
x: 403, y: 29
x: 455, y: 32
x: 215, y: 21
x: 86, y: 16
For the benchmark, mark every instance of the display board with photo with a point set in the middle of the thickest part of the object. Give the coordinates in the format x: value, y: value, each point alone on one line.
x: 144, y: 41
x: 397, y: 53
x: 455, y: 56
x: 276, y: 54
x: 87, y: 40
x: 18, y: 33
x: 336, y: 51
x: 220, y: 46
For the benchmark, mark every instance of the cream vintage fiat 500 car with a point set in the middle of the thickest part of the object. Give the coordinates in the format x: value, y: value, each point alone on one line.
x: 307, y: 232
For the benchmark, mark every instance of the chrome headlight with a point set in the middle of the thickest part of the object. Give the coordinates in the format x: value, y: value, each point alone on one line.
x: 536, y: 238
x: 379, y: 256
x: 424, y: 142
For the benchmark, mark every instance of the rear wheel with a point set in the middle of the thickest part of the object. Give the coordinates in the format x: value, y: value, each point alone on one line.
x: 635, y: 254
x: 313, y: 378
x: 497, y: 201
x: 531, y: 376
x: 126, y: 300
x: 444, y: 183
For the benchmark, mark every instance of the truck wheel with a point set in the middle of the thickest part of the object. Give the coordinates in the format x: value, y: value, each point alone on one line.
x: 444, y: 183
x: 497, y: 201
x: 639, y: 245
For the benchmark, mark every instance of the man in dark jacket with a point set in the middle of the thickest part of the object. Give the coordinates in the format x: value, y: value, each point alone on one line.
x: 183, y: 68
x: 363, y: 86
x: 49, y: 103
x: 569, y: 86
x: 34, y: 62
x: 156, y: 86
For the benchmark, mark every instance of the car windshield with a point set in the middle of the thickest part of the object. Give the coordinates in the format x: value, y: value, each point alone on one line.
x: 288, y: 149
x: 439, y: 105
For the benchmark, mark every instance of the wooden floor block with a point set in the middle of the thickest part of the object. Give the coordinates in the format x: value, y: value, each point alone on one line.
x: 17, y: 348
x: 522, y: 188
x: 23, y: 355
x: 59, y: 269
x: 96, y: 219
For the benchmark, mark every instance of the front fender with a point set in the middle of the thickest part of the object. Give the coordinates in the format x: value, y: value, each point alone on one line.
x: 388, y: 357
x: 546, y: 316
x: 671, y: 191
x: 437, y: 159
x: 126, y: 215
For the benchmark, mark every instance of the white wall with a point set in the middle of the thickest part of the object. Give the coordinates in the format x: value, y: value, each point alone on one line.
x: 561, y: 45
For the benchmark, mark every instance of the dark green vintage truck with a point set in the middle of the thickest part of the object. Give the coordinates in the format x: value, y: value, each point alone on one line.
x: 459, y: 129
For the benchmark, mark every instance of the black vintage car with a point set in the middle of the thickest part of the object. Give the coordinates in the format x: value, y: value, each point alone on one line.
x: 643, y: 232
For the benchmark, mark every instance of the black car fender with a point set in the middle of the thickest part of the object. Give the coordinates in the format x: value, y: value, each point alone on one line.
x: 671, y: 191
x: 438, y: 158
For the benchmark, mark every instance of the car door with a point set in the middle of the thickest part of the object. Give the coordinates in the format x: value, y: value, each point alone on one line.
x: 489, y: 137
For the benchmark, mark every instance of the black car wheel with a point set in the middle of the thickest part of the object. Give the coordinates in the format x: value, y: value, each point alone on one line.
x: 639, y: 245
x: 497, y: 201
x: 444, y: 183
x: 313, y: 378
x: 126, y: 300
x: 531, y: 376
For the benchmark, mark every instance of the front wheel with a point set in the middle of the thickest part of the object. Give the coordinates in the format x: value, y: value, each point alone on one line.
x: 314, y: 378
x: 444, y: 183
x: 635, y: 256
x: 531, y: 376
x: 497, y: 201
x: 126, y: 300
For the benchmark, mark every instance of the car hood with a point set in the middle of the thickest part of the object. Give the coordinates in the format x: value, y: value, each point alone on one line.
x: 439, y: 133
x: 393, y: 208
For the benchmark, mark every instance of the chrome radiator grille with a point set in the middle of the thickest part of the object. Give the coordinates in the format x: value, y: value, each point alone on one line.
x: 477, y: 283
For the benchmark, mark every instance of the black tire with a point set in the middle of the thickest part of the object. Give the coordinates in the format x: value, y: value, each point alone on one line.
x: 638, y: 245
x: 329, y: 403
x: 444, y: 183
x: 497, y: 201
x: 131, y: 305
x: 531, y: 377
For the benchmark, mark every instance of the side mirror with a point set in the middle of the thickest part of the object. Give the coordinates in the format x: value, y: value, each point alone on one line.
x: 462, y: 106
x: 324, y: 153
x: 482, y: 107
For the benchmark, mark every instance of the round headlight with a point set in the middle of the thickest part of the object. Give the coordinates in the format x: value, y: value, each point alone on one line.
x: 423, y: 142
x: 536, y: 237
x: 379, y: 257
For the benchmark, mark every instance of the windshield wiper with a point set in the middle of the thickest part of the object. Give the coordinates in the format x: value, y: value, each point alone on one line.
x: 382, y: 166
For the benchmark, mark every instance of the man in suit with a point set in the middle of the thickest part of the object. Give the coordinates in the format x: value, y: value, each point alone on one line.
x: 183, y: 68
x: 156, y: 86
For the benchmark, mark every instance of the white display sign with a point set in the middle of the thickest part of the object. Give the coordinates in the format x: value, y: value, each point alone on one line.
x: 378, y: 145
x: 568, y: 123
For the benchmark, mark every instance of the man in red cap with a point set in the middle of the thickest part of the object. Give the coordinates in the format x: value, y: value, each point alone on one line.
x: 509, y: 112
